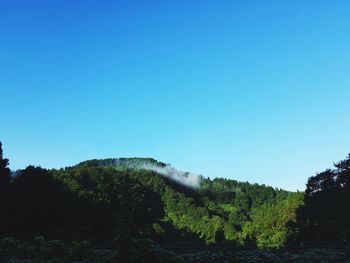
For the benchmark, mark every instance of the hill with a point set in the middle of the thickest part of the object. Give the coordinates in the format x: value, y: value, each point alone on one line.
x: 125, y: 201
x: 121, y: 198
x: 185, y: 206
x: 149, y: 164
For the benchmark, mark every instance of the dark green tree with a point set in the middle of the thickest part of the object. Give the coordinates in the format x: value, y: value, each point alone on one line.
x: 5, y: 172
x: 326, y: 214
x: 242, y: 201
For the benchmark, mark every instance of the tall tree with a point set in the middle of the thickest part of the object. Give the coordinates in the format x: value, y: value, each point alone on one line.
x: 5, y: 172
x: 326, y: 213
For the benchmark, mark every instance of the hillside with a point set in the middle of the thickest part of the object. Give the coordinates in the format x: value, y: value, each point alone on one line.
x: 120, y: 198
x: 185, y: 178
x: 176, y: 205
x: 122, y: 163
x: 114, y: 199
x: 130, y: 200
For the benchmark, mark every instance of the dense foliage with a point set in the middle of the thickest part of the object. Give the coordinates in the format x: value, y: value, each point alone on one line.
x: 111, y: 201
x: 118, y: 201
x: 326, y: 214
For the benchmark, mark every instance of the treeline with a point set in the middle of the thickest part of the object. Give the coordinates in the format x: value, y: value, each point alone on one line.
x: 103, y: 201
x: 326, y: 213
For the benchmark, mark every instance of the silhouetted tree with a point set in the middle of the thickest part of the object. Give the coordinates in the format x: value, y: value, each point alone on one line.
x: 5, y: 172
x: 325, y: 216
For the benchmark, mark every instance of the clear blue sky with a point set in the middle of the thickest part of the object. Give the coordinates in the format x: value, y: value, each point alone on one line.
x: 257, y: 91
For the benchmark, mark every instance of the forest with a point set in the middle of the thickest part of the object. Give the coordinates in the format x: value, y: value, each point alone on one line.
x: 120, y: 210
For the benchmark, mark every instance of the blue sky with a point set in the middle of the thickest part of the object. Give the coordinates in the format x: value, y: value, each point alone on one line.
x: 256, y: 91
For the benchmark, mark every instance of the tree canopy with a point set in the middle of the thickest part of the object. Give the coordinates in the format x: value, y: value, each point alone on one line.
x: 112, y: 201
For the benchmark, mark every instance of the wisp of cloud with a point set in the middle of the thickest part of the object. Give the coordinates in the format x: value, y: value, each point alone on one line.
x: 185, y: 178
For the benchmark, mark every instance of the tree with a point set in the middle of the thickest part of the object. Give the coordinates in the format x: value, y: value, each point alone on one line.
x: 269, y: 226
x: 326, y: 213
x: 243, y: 202
x: 5, y: 172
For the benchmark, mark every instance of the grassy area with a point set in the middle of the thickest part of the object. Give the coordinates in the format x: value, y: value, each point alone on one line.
x: 145, y: 251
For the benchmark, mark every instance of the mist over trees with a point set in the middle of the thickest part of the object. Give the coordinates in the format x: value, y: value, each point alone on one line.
x: 101, y: 202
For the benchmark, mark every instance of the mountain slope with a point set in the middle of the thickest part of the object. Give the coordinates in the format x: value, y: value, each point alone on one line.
x: 150, y: 164
x: 212, y: 210
x: 118, y: 199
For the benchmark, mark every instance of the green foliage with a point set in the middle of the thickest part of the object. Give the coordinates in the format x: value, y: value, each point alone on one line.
x: 114, y: 200
x: 158, y: 229
x: 122, y: 163
x: 325, y: 216
x: 269, y: 225
x: 228, y: 208
x: 109, y: 204
x: 184, y: 214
